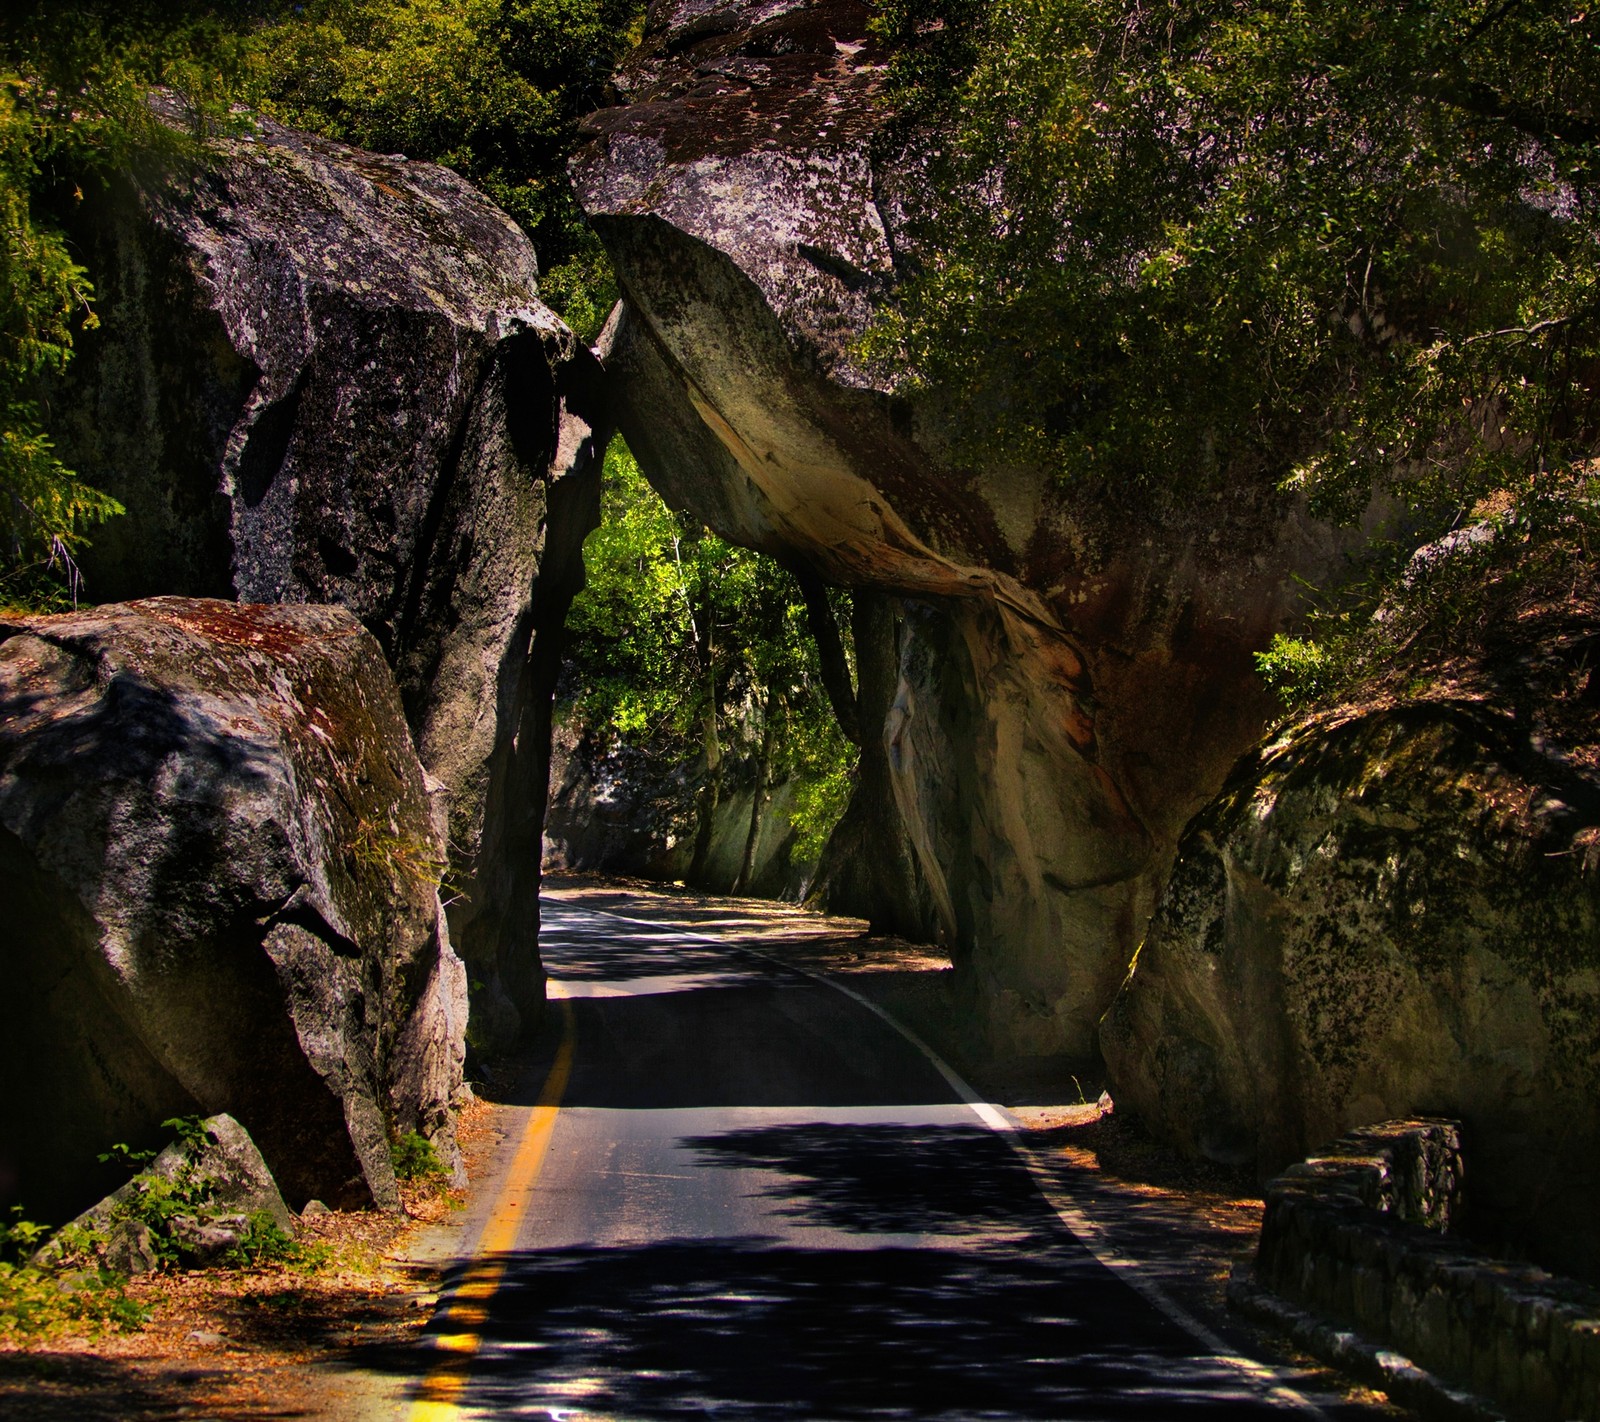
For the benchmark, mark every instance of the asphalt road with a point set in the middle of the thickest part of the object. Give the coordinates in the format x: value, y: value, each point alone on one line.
x: 757, y: 1199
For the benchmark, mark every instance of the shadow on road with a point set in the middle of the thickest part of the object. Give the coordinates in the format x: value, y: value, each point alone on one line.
x: 902, y: 1266
x: 744, y: 1329
x: 954, y: 1182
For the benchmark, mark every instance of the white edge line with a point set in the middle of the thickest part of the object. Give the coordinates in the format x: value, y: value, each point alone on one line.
x: 1000, y: 1121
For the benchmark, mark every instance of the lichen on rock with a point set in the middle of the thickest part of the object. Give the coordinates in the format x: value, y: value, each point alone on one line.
x: 1391, y: 910
x: 220, y: 866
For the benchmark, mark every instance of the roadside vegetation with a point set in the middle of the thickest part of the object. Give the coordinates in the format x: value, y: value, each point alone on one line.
x: 491, y: 88
x: 689, y: 650
x: 237, y: 1331
x: 1349, y: 250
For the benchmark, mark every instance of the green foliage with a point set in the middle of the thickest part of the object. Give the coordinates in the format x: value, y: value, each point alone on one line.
x: 37, y: 1302
x: 1324, y: 243
x: 492, y: 88
x: 1299, y: 669
x: 821, y: 794
x: 19, y: 1237
x: 682, y: 644
x: 415, y: 1158
x: 1330, y: 247
x: 158, y: 1201
x: 1416, y: 616
x: 265, y: 1242
x: 74, y: 82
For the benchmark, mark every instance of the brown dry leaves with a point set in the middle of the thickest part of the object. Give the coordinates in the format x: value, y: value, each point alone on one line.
x: 271, y: 1342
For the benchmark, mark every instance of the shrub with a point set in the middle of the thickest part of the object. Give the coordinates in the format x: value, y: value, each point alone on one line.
x: 415, y: 1158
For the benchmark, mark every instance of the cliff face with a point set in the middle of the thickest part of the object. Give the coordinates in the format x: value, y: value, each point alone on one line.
x: 1074, y: 677
x: 325, y: 376
x: 1393, y: 909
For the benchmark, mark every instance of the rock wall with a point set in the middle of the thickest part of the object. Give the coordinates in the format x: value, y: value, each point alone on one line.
x: 219, y: 865
x: 622, y: 813
x: 869, y: 868
x: 1354, y: 1236
x: 1392, y: 910
x: 1075, y: 675
x: 325, y: 376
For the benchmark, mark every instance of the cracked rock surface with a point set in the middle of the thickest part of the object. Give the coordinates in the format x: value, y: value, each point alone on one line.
x: 325, y: 376
x: 218, y: 861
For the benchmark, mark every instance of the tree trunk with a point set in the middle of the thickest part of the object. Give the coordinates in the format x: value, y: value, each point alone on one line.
x: 830, y: 654
x: 757, y: 804
x: 711, y: 791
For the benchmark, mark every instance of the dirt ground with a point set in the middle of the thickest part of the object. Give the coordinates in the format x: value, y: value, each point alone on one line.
x: 264, y: 1343
x: 283, y: 1342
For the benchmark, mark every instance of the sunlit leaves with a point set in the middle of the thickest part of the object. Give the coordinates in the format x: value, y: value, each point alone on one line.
x: 1179, y: 243
x: 674, y: 623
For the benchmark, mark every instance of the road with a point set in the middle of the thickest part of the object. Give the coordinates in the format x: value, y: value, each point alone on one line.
x: 746, y: 1196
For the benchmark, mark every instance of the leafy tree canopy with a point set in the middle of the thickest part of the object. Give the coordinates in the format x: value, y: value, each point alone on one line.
x: 1332, y: 245
x: 688, y: 647
x: 1181, y: 240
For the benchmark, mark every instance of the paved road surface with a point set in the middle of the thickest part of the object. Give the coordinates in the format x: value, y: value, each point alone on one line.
x: 760, y: 1201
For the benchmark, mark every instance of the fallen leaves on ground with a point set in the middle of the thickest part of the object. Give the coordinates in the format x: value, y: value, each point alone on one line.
x: 269, y: 1342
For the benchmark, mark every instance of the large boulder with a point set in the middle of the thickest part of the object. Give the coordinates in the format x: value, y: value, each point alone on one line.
x: 1075, y: 676
x: 1392, y: 910
x: 219, y: 866
x: 325, y: 376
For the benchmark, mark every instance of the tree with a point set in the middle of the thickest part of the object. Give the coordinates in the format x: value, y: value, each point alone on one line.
x: 1331, y: 246
x: 74, y: 83
x: 693, y: 649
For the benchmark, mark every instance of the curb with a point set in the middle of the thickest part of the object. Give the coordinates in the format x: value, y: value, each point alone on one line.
x: 1381, y: 1368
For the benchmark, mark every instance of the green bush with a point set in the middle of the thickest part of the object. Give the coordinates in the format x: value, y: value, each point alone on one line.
x: 36, y: 1301
x: 265, y: 1242
x: 687, y: 648
x: 415, y: 1158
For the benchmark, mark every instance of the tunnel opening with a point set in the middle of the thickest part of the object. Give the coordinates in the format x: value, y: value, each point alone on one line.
x: 706, y: 725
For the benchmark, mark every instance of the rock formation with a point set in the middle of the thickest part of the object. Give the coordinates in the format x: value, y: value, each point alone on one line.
x: 324, y: 376
x: 219, y: 862
x: 620, y: 811
x: 1074, y: 673
x: 1393, y: 909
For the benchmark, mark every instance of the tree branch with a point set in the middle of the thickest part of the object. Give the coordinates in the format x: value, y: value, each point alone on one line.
x: 1477, y: 98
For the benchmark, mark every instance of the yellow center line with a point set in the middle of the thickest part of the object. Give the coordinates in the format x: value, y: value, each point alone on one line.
x: 468, y: 1305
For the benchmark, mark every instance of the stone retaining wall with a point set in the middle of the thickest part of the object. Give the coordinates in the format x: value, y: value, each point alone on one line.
x: 1356, y: 1235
